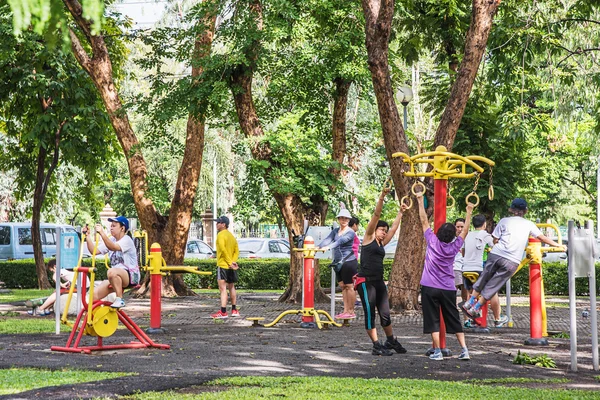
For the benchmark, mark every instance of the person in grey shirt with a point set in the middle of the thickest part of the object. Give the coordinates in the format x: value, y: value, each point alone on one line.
x: 510, y: 237
x: 340, y: 241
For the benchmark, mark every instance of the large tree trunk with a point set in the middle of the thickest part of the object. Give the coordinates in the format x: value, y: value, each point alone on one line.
x: 42, y: 179
x: 293, y: 210
x: 171, y: 233
x: 408, y: 261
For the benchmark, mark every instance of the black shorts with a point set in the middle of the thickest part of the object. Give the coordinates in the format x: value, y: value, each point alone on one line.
x: 227, y: 274
x: 349, y: 269
x: 432, y: 301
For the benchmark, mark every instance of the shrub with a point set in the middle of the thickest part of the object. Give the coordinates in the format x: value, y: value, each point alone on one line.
x: 272, y: 274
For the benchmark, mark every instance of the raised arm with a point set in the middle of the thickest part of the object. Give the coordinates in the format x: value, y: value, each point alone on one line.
x: 422, y: 213
x: 395, y: 225
x: 465, y: 230
x: 370, y: 231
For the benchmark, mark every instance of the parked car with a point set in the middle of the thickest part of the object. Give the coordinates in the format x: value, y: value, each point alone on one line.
x: 263, y: 248
x: 16, y: 241
x: 390, y: 248
x: 199, y: 249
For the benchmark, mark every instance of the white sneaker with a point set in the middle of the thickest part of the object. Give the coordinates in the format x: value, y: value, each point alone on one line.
x: 118, y: 303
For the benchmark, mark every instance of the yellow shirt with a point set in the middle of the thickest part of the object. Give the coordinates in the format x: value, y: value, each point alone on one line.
x: 227, y: 249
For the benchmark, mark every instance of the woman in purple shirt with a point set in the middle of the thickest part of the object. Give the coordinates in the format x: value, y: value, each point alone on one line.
x: 437, y: 282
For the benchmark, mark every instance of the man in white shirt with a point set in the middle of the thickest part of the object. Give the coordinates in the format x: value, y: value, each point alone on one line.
x: 510, y: 237
x: 474, y: 250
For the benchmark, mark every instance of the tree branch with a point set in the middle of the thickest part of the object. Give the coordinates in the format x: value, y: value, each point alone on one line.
x: 573, y: 182
x: 54, y: 163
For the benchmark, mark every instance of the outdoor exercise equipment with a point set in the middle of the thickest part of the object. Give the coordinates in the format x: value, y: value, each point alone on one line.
x: 481, y: 322
x: 98, y: 319
x: 444, y: 165
x: 537, y: 302
x: 310, y: 316
x: 581, y: 256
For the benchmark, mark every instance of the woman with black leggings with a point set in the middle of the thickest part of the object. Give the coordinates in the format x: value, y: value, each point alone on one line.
x: 369, y: 282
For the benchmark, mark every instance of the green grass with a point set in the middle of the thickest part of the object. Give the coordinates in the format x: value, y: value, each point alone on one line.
x: 515, y: 380
x: 16, y: 380
x: 355, y: 388
x: 23, y: 294
x: 29, y: 325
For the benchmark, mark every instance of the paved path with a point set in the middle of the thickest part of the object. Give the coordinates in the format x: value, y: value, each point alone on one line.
x: 202, y: 350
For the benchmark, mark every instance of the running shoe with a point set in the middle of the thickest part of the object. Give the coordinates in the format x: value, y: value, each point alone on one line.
x: 464, y: 355
x: 219, y: 315
x: 235, y: 313
x: 394, y: 345
x: 499, y: 323
x: 468, y: 323
x: 436, y: 355
x: 118, y: 303
x: 380, y: 350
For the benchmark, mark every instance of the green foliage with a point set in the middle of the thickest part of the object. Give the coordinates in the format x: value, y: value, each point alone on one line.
x: 561, y: 335
x: 539, y: 361
x: 556, y: 281
x: 17, y: 380
x: 40, y: 90
x: 47, y: 16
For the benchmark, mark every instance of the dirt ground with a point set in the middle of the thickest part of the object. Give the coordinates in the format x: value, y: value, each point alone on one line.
x: 202, y: 350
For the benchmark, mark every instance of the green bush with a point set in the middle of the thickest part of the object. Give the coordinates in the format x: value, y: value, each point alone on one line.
x: 273, y: 274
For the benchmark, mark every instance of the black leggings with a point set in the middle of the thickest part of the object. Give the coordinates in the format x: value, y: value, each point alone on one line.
x: 374, y: 294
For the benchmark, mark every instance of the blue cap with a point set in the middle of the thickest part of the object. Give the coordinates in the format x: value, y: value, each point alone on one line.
x: 223, y: 220
x: 122, y: 220
x: 519, y: 204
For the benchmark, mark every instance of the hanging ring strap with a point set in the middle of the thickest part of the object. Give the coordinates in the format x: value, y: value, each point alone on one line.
x: 453, y: 201
x: 472, y: 194
x: 410, y: 202
x: 414, y: 186
x: 491, y: 192
x: 389, y: 183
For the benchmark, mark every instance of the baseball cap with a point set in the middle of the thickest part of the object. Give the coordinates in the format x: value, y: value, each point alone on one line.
x: 519, y: 204
x: 223, y: 220
x: 122, y: 220
x: 344, y: 213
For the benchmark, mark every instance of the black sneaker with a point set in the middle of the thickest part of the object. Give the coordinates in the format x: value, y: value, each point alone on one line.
x: 380, y: 350
x: 394, y: 345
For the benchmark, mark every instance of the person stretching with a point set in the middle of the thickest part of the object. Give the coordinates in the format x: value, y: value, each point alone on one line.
x: 510, y: 237
x: 369, y: 281
x: 438, y: 291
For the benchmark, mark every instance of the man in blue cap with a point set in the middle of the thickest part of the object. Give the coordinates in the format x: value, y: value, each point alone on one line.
x: 124, y: 270
x: 510, y: 239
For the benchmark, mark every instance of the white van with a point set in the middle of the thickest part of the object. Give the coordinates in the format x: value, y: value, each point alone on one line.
x: 16, y: 242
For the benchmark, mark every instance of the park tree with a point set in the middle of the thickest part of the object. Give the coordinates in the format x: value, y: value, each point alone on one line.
x: 51, y: 115
x: 379, y: 15
x: 290, y: 76
x: 91, y: 51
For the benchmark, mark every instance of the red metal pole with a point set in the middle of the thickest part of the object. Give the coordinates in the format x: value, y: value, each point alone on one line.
x: 155, y: 303
x: 308, y: 296
x: 155, y: 289
x: 440, y: 194
x: 535, y: 304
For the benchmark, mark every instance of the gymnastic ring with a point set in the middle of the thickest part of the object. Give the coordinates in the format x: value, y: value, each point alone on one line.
x: 470, y: 195
x: 453, y: 201
x: 412, y: 189
x: 491, y: 192
x: 409, y: 205
x: 389, y: 183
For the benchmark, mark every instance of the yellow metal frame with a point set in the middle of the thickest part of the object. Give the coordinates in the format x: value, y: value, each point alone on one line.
x: 445, y: 164
x: 308, y: 251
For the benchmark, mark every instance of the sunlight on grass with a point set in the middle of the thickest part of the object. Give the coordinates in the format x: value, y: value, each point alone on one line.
x: 16, y: 380
x: 29, y: 325
x: 348, y: 388
x: 23, y: 294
